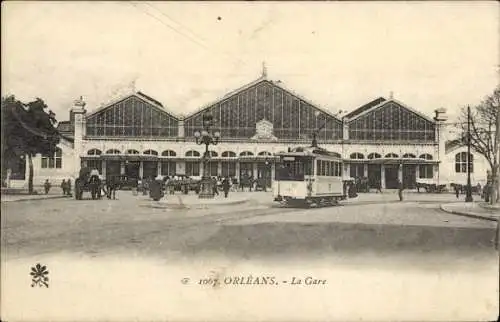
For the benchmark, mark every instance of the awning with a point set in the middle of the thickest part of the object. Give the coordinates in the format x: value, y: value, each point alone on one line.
x: 391, y: 161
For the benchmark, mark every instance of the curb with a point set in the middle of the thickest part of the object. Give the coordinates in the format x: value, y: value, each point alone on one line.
x: 182, y: 205
x: 38, y: 199
x: 231, y: 203
x: 465, y: 214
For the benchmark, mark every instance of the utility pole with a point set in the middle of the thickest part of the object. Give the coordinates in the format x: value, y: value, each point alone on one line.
x: 468, y: 197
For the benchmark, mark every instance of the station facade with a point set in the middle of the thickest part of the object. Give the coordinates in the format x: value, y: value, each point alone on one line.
x: 135, y: 135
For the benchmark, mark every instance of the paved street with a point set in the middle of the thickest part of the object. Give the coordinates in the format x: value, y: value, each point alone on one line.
x: 131, y: 257
x: 134, y: 224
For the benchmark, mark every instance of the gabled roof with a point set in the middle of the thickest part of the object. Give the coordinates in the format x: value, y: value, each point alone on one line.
x: 256, y: 82
x: 385, y: 102
x: 140, y: 95
x: 65, y: 127
x: 365, y: 107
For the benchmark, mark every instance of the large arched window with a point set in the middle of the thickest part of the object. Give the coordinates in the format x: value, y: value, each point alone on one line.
x: 53, y: 161
x: 246, y: 154
x: 150, y: 152
x: 391, y: 155
x: 192, y: 153
x: 265, y: 153
x: 132, y: 151
x: 357, y: 156
x: 409, y: 156
x: 94, y: 152
x: 168, y: 153
x: 426, y: 156
x: 113, y: 151
x: 374, y: 156
x: 228, y: 154
x: 213, y: 154
x: 461, y: 162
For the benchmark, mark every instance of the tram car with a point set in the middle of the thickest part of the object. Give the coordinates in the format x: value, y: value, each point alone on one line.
x: 309, y: 176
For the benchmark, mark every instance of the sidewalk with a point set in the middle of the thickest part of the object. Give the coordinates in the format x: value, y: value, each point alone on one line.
x: 27, y: 197
x: 391, y: 196
x: 181, y: 201
x: 472, y: 209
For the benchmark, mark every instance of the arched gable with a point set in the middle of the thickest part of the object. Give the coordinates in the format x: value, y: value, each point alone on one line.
x: 391, y: 121
x: 291, y: 116
x: 134, y: 116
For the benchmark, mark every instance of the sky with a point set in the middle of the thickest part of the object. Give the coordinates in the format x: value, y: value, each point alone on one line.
x: 339, y: 55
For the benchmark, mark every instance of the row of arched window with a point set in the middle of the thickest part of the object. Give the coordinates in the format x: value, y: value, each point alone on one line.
x: 170, y: 153
x: 360, y: 156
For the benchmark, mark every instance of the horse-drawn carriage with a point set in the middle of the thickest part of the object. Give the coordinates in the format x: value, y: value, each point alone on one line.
x: 430, y: 186
x: 88, y: 180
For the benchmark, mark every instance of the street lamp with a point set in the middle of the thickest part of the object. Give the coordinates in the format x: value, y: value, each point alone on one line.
x: 468, y: 196
x: 207, y: 137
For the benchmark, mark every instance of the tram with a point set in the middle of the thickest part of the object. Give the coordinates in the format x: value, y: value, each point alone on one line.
x: 309, y: 176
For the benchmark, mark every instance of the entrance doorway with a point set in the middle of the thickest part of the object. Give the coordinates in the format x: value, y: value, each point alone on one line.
x: 357, y: 170
x: 409, y: 176
x: 391, y: 176
x: 113, y: 168
x: 264, y: 172
x: 132, y: 169
x: 374, y: 175
x: 150, y: 169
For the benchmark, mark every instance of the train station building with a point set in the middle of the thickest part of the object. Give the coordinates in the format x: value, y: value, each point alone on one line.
x: 135, y: 135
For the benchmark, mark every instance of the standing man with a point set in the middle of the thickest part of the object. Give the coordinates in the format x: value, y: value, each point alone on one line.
x: 400, y: 190
x: 69, y: 187
x: 63, y: 187
x: 457, y: 191
x: 47, y: 186
x: 225, y: 186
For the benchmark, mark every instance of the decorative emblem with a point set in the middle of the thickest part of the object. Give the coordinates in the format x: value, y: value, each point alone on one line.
x: 40, y: 277
x: 264, y: 131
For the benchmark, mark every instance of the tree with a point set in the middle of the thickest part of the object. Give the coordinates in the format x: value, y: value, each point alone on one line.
x: 27, y: 130
x: 485, y: 135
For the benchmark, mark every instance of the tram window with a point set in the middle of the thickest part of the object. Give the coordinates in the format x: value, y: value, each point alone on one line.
x: 308, y: 167
x: 291, y: 170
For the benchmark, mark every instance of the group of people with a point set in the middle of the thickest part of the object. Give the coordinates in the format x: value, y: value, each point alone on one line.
x: 65, y: 187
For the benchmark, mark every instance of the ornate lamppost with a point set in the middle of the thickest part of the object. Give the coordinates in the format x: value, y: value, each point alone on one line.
x: 207, y: 137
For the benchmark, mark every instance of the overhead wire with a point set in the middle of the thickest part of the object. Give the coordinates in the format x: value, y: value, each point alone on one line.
x: 179, y: 32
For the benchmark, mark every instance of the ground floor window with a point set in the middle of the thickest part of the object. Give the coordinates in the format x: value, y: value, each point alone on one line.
x: 357, y: 170
x: 229, y: 169
x: 246, y: 169
x: 213, y: 167
x: 426, y: 171
x: 168, y: 168
x: 95, y: 164
x: 193, y: 168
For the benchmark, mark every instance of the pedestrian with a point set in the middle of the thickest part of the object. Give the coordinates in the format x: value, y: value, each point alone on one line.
x: 457, y: 191
x: 47, y: 186
x: 214, y: 186
x: 400, y: 190
x: 63, y: 187
x: 68, y: 186
x: 379, y: 186
x: 225, y: 186
x: 111, y: 186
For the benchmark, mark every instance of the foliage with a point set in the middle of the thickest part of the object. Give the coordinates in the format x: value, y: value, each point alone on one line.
x: 484, y: 130
x: 27, y: 129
